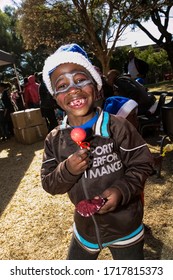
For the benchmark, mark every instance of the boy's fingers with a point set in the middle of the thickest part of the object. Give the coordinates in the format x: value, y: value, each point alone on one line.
x: 82, y: 154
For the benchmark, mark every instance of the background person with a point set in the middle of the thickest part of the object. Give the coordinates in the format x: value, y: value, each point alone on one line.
x: 3, y: 135
x: 31, y: 93
x: 135, y: 67
x: 17, y: 94
x: 47, y: 104
x: 9, y: 107
x: 128, y: 87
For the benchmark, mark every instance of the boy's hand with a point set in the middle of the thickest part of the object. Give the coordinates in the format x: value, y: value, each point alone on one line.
x: 113, y: 197
x: 78, y: 162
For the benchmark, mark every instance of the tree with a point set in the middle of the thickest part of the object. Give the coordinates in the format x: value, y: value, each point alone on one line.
x: 5, y: 36
x: 97, y: 25
x: 27, y: 62
x: 48, y: 24
x: 10, y: 41
x: 160, y: 17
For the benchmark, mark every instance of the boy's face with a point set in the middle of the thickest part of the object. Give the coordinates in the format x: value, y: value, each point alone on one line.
x: 74, y: 89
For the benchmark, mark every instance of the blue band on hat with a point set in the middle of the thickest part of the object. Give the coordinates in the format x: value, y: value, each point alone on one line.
x: 73, y: 48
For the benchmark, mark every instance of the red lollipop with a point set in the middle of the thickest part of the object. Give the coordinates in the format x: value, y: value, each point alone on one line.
x: 78, y: 135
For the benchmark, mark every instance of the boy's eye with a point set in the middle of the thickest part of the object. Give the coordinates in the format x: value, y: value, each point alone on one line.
x: 61, y: 86
x: 80, y: 78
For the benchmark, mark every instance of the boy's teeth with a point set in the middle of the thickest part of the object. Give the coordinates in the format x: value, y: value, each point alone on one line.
x: 77, y: 102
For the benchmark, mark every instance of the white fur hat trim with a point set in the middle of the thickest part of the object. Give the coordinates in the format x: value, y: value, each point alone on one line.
x: 58, y: 58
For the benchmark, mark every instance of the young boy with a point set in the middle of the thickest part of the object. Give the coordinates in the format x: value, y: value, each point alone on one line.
x: 108, y: 177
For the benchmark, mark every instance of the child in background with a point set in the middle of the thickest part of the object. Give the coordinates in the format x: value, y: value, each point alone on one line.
x: 113, y: 171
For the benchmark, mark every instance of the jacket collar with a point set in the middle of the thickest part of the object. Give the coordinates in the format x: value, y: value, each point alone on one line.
x: 99, y: 128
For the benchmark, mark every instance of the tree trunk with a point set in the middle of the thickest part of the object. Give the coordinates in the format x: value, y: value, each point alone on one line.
x: 104, y: 59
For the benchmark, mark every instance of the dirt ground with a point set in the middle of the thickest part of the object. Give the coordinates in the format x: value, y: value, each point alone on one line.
x: 37, y: 226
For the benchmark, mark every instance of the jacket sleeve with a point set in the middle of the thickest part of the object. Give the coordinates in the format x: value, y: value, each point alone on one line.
x: 55, y: 177
x: 137, y: 161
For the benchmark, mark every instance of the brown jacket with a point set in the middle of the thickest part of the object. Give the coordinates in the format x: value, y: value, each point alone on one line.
x: 120, y: 159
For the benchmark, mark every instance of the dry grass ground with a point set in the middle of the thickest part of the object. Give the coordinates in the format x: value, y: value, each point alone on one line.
x: 162, y: 86
x: 36, y: 225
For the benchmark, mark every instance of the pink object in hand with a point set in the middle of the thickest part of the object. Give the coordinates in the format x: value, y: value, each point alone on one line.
x: 86, y: 208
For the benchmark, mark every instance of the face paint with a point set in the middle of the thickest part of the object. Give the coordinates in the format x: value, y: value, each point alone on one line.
x: 72, y: 80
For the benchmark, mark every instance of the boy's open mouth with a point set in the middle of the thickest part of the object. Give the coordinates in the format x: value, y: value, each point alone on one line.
x: 77, y: 102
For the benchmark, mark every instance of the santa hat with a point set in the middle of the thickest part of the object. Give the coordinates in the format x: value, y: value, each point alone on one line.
x: 120, y: 105
x: 70, y: 53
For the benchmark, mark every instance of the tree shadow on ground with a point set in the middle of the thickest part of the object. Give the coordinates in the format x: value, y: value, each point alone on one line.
x: 153, y: 246
x: 158, y: 206
x: 155, y: 249
x: 15, y: 159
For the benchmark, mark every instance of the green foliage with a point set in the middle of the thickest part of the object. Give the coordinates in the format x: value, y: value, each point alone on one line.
x: 47, y: 25
x: 158, y: 63
x: 157, y: 59
x: 10, y: 40
x: 119, y: 58
x: 5, y: 35
x: 32, y: 61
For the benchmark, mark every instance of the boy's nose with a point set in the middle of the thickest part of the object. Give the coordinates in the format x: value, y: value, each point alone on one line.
x: 74, y: 90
